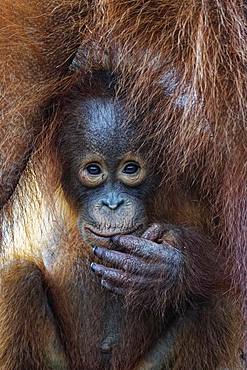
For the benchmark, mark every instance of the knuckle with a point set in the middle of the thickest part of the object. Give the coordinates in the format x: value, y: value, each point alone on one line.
x: 172, y: 235
x: 126, y: 263
x: 157, y: 226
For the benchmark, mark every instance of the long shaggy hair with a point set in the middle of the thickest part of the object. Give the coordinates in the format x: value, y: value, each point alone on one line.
x: 181, y: 66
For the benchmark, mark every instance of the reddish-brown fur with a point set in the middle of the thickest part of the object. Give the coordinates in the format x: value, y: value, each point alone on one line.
x: 186, y: 59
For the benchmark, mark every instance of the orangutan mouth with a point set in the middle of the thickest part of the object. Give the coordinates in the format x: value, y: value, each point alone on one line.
x: 103, y: 233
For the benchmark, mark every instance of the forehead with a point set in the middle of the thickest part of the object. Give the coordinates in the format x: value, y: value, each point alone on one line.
x: 105, y: 128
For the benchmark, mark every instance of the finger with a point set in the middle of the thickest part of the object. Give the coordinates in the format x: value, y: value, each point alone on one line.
x: 146, y: 248
x: 153, y: 233
x: 109, y: 273
x: 121, y: 279
x: 123, y: 260
x: 112, y: 288
x: 128, y: 262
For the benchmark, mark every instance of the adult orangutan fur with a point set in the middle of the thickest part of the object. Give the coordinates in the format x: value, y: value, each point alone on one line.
x: 186, y: 59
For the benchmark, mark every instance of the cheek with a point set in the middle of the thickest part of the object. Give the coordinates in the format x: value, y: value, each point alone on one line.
x: 88, y: 207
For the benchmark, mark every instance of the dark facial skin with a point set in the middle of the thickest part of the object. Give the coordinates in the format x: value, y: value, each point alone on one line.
x: 108, y: 178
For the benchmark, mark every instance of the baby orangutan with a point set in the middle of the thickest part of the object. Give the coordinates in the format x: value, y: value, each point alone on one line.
x: 143, y: 290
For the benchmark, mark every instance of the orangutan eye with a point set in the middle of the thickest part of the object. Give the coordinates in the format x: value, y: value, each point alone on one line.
x: 92, y: 174
x: 131, y: 168
x: 93, y: 169
x: 132, y: 173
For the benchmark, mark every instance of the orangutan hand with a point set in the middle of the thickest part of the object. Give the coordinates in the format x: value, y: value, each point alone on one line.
x: 144, y: 264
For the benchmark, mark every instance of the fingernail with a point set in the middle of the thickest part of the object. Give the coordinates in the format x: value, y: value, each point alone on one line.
x: 92, y: 266
x: 98, y: 251
x: 95, y: 249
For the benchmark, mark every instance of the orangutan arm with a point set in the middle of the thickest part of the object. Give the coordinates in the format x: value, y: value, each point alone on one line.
x: 29, y: 337
x: 35, y: 55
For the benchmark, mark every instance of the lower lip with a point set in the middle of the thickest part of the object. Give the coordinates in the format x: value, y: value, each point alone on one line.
x: 107, y: 236
x: 104, y: 240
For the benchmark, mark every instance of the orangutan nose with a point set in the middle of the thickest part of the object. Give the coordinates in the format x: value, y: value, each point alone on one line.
x: 113, y: 201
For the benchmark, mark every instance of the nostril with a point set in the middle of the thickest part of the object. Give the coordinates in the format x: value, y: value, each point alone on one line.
x: 121, y: 201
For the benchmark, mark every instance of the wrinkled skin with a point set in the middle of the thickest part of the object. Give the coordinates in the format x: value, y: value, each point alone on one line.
x: 140, y: 263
